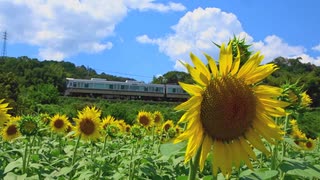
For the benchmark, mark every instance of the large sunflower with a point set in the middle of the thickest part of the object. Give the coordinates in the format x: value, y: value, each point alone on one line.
x: 88, y: 123
x: 228, y: 111
x: 59, y: 123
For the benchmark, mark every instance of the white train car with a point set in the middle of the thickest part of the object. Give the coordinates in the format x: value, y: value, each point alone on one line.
x: 95, y: 87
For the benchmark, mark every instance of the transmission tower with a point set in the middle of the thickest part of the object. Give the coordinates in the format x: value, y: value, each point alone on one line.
x: 4, y: 48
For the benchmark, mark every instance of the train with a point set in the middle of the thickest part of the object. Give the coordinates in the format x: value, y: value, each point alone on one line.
x: 131, y: 90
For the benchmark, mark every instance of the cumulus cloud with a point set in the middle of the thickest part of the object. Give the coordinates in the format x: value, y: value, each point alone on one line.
x: 273, y: 47
x: 316, y: 48
x: 305, y: 58
x: 195, y: 32
x: 197, y: 29
x: 64, y: 28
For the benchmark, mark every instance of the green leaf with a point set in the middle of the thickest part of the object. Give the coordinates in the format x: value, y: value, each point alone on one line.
x: 12, y: 165
x: 299, y: 168
x: 264, y: 173
x: 12, y: 176
x: 182, y: 177
x: 62, y: 171
x: 170, y: 149
x: 87, y: 174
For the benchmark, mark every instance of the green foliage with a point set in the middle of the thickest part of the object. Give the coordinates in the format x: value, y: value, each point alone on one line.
x: 309, y: 123
x: 173, y: 77
x: 37, y: 95
x: 126, y: 110
x: 292, y: 71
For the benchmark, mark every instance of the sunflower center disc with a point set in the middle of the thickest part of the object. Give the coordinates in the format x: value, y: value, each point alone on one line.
x: 309, y: 145
x: 144, y: 120
x: 228, y: 108
x: 87, y: 126
x: 167, y: 127
x: 12, y: 130
x: 156, y: 119
x: 58, y: 123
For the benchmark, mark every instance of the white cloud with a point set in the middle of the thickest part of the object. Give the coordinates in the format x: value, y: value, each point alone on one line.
x: 305, y: 58
x: 197, y: 29
x: 273, y: 47
x: 195, y: 32
x: 144, y: 5
x: 316, y: 48
x: 64, y: 28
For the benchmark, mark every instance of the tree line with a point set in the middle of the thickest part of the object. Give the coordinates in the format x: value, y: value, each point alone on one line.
x: 27, y: 83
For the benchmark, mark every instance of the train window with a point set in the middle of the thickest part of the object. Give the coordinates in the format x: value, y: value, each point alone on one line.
x: 74, y: 84
x: 98, y: 85
x: 145, y: 89
x: 86, y: 85
x: 124, y: 87
x: 134, y: 87
x: 111, y: 86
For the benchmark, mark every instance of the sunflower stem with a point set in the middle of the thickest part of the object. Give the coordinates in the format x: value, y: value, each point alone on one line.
x: 102, y: 152
x: 284, y: 145
x: 131, y: 166
x: 30, y: 152
x: 24, y: 160
x: 194, y: 165
x: 74, y: 156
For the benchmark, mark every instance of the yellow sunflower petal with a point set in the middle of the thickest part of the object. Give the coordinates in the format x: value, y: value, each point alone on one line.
x: 225, y: 59
x: 217, y: 159
x: 267, y: 91
x: 197, y: 76
x: 190, y: 114
x: 193, y: 101
x: 260, y: 73
x: 191, y: 89
x: 243, y: 154
x: 273, y: 102
x: 206, y: 147
x: 234, y: 150
x: 200, y: 66
x: 250, y: 65
x: 212, y: 65
x: 255, y: 140
x: 194, y: 142
x: 247, y: 148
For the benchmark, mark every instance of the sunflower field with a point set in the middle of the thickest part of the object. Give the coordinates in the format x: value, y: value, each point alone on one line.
x: 232, y: 127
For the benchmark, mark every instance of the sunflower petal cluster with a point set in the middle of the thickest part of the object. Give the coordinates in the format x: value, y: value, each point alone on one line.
x: 145, y: 119
x: 158, y: 117
x: 4, y: 116
x: 229, y: 111
x: 59, y: 123
x: 300, y: 138
x: 88, y: 124
x: 11, y: 129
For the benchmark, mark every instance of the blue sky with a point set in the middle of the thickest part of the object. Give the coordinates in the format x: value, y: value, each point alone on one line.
x: 145, y: 38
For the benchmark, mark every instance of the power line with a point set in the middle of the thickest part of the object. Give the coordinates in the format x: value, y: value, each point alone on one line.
x: 126, y: 74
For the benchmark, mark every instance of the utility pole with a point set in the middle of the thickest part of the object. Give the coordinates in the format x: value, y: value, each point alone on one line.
x: 4, y: 48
